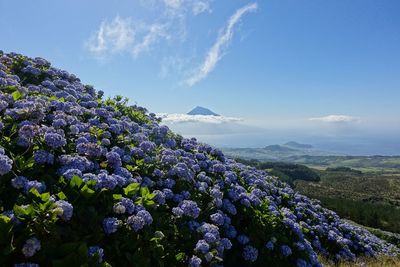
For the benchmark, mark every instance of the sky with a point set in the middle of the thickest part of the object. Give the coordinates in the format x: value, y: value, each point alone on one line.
x: 317, y: 71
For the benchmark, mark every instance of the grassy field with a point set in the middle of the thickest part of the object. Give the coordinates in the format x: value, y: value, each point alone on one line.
x: 369, y: 198
x: 367, y: 262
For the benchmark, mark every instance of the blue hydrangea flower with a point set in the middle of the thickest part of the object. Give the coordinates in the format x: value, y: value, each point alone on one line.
x: 243, y: 239
x: 26, y: 264
x: 54, y: 140
x: 136, y: 222
x: 31, y: 246
x: 5, y: 164
x: 110, y: 225
x: 67, y: 208
x: 202, y: 246
x: 250, y: 253
x: 286, y: 250
x: 269, y: 245
x: 19, y: 182
x: 146, y: 216
x: 114, y: 159
x: 190, y: 208
x: 194, y: 261
x: 301, y: 263
x: 96, y: 251
x: 43, y: 157
x: 217, y: 218
x: 210, y: 238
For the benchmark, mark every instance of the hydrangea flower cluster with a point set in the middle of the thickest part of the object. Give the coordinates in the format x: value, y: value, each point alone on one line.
x: 99, y: 180
x: 31, y: 246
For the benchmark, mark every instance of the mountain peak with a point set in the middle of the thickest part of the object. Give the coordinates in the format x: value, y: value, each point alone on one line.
x: 201, y: 111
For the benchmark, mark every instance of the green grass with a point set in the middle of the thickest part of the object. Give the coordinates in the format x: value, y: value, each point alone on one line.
x: 367, y: 262
x: 371, y: 199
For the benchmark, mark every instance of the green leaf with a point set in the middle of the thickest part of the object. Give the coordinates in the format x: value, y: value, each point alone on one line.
x: 76, y: 181
x: 131, y: 189
x: 150, y: 196
x: 131, y: 168
x: 180, y: 256
x: 16, y: 95
x: 23, y: 211
x: 117, y: 196
x: 45, y: 196
x: 144, y: 191
x: 86, y: 191
x: 61, y: 195
x: 149, y: 203
x: 35, y: 192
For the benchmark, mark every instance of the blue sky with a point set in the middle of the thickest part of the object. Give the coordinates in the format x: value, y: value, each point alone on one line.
x: 275, y: 64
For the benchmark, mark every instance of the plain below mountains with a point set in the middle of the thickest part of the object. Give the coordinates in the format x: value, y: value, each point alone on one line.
x: 296, y: 153
x: 277, y: 152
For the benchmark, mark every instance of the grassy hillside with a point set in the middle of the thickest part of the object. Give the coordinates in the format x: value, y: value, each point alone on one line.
x: 316, y: 158
x: 370, y: 199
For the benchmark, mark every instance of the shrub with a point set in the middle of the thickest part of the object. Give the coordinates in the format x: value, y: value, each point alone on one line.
x: 88, y: 181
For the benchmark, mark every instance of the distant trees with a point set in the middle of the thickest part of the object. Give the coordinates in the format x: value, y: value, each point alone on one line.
x: 286, y: 172
x: 343, y: 169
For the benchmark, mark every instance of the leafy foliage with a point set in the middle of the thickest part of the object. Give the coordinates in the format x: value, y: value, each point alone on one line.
x: 92, y: 182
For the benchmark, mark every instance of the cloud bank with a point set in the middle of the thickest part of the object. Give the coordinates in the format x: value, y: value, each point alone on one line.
x: 185, y: 118
x: 223, y: 40
x: 336, y: 119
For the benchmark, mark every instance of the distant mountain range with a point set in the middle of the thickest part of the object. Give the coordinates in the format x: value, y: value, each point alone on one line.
x: 276, y: 152
x: 202, y: 111
x: 298, y: 145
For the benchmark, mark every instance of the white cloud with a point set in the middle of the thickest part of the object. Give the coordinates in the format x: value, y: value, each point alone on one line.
x: 154, y: 33
x: 174, y: 4
x: 214, y: 54
x: 121, y: 35
x: 124, y: 35
x: 199, y: 7
x: 185, y: 118
x: 336, y: 119
x: 180, y: 7
x: 111, y: 37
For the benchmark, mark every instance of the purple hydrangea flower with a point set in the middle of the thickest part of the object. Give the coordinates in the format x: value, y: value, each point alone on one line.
x: 194, y: 261
x: 147, y: 146
x: 146, y: 216
x: 217, y: 218
x: 250, y: 253
x: 31, y: 246
x: 43, y: 157
x: 286, y: 250
x: 96, y: 251
x: 136, y: 222
x: 19, y: 182
x: 67, y: 208
x: 243, y: 239
x: 269, y: 245
x: 110, y: 225
x: 202, y: 246
x: 26, y: 264
x: 54, y: 140
x: 114, y: 159
x: 190, y: 208
x: 5, y: 164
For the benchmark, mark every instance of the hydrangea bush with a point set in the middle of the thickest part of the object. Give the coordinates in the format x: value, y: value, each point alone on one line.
x: 96, y: 182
